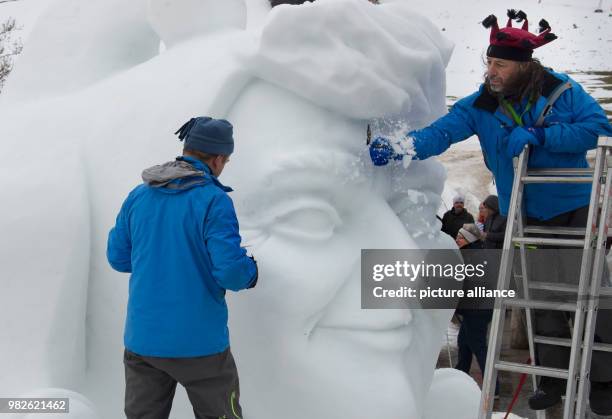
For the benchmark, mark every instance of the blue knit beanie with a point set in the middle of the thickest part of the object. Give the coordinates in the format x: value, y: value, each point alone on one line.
x: 208, y: 135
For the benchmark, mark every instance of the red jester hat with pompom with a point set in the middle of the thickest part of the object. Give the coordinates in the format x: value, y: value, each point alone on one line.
x: 513, y: 43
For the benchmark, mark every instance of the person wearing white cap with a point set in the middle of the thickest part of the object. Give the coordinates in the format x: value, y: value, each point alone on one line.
x: 456, y: 217
x: 472, y: 338
x: 468, y: 235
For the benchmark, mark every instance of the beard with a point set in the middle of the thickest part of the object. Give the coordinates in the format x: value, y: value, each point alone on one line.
x: 493, y: 88
x: 512, y: 86
x: 525, y: 83
x: 515, y: 86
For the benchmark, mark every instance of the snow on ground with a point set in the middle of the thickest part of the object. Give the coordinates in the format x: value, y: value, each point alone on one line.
x: 500, y: 415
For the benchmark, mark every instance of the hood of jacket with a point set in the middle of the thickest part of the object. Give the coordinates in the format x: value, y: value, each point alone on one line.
x: 178, y: 175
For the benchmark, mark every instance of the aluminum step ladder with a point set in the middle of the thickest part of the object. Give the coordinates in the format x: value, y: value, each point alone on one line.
x: 592, y: 239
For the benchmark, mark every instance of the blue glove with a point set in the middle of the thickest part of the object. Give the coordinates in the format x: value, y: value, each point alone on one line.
x: 520, y: 137
x: 381, y: 151
x: 254, y: 282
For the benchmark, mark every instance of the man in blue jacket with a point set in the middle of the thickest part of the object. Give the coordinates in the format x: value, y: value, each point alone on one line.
x: 177, y: 234
x: 522, y: 103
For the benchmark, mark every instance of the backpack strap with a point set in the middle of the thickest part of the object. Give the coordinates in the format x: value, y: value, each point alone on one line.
x: 551, y: 101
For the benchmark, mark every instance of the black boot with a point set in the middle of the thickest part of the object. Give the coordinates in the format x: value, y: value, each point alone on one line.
x: 547, y: 395
x: 601, y: 398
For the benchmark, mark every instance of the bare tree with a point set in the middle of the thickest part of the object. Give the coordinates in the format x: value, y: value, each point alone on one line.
x: 9, y: 47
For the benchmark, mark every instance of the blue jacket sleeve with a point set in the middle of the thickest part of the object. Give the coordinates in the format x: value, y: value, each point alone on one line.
x: 119, y: 246
x: 231, y: 267
x: 455, y: 126
x: 576, y: 122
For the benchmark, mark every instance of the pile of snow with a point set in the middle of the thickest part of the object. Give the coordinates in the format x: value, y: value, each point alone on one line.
x: 448, y: 405
x: 500, y: 415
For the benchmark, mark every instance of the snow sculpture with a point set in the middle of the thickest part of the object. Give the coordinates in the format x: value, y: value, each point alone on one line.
x: 76, y: 44
x: 177, y: 21
x: 300, y: 87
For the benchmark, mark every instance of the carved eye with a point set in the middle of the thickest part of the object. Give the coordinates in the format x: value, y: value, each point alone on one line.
x: 306, y: 219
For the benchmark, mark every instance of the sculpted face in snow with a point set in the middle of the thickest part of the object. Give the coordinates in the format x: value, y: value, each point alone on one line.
x: 299, y: 88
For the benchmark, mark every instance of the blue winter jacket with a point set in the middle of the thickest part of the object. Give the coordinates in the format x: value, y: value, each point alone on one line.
x: 178, y: 237
x: 571, y: 128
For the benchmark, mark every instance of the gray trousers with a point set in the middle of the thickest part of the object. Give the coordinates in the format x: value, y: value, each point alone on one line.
x: 211, y: 383
x: 556, y: 323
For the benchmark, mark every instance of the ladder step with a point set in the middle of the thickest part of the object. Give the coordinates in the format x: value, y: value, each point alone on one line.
x: 548, y: 241
x: 566, y: 231
x: 553, y: 286
x: 538, y: 304
x: 603, y: 347
x: 556, y: 179
x: 604, y: 142
x: 585, y: 171
x: 531, y: 369
x: 560, y: 287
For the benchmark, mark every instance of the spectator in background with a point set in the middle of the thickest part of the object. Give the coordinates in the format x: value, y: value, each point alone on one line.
x: 482, y: 217
x: 495, y: 224
x: 472, y: 338
x: 456, y: 217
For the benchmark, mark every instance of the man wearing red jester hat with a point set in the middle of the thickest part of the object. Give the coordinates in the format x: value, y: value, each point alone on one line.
x: 523, y: 103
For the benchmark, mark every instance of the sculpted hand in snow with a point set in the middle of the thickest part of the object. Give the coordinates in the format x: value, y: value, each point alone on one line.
x: 306, y: 199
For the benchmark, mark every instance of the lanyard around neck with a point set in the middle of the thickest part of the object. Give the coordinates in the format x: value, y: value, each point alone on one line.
x: 515, y: 116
